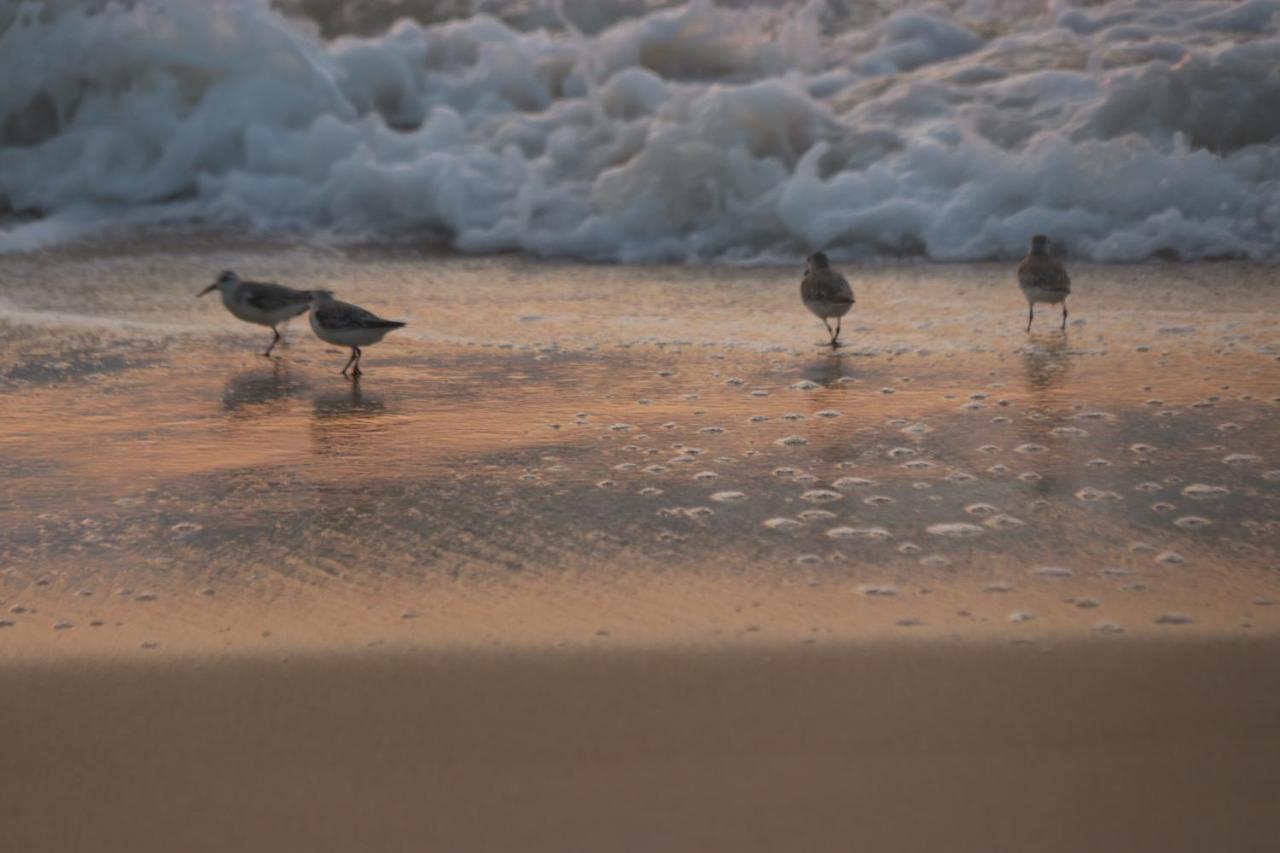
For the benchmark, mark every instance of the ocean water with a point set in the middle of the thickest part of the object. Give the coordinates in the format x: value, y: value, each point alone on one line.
x: 648, y: 131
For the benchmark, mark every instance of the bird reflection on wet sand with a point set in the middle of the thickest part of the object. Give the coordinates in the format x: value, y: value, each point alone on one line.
x: 249, y: 389
x: 343, y: 420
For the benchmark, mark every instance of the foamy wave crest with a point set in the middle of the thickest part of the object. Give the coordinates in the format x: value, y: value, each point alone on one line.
x: 633, y: 130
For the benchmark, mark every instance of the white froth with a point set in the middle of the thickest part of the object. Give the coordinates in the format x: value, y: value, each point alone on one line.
x: 700, y: 131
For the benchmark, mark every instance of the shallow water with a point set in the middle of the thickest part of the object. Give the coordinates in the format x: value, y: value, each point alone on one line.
x: 630, y: 455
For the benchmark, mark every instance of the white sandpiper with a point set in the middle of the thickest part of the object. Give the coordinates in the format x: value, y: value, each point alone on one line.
x: 260, y: 302
x: 826, y: 293
x: 347, y: 325
x: 1043, y: 279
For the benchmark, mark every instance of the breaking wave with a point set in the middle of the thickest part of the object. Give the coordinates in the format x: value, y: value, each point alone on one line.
x: 639, y: 131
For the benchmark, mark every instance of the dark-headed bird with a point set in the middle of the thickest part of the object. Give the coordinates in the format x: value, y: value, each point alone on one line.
x: 1043, y: 279
x: 347, y: 325
x: 260, y: 302
x: 826, y: 293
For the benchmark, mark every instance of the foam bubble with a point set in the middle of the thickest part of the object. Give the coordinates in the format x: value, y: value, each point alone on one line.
x: 701, y: 130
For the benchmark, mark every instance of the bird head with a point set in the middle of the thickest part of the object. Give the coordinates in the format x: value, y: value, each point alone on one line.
x: 817, y: 261
x: 225, y: 279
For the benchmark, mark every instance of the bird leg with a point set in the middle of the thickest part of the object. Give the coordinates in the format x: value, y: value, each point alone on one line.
x: 1064, y: 315
x: 1031, y: 314
x: 356, y: 371
x: 828, y: 325
x: 348, y: 364
x: 275, y: 340
x: 835, y: 341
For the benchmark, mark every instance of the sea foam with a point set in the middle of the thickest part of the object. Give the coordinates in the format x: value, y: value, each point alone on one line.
x: 616, y: 130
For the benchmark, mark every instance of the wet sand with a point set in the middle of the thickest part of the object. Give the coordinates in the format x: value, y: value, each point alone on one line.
x: 610, y: 551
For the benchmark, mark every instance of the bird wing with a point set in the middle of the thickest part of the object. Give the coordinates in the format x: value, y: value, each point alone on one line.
x: 344, y: 315
x: 1045, y: 274
x: 826, y: 286
x: 266, y: 296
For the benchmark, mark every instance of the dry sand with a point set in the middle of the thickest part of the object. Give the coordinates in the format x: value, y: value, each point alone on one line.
x: 622, y: 558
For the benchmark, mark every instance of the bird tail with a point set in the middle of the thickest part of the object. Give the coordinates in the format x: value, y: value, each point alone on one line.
x: 391, y: 324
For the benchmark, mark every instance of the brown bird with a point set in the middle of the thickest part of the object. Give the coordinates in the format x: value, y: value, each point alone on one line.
x: 1043, y: 279
x: 826, y: 293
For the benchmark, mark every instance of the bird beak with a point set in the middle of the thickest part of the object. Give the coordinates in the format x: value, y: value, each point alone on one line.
x: 206, y: 290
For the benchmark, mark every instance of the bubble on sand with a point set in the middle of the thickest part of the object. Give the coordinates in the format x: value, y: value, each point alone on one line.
x: 1169, y: 558
x: 934, y: 561
x: 827, y: 413
x: 805, y: 479
x: 1192, y: 522
x: 845, y: 483
x: 804, y: 385
x: 620, y: 427
x: 1068, y: 432
x: 793, y: 416
x: 1001, y: 521
x: 792, y: 441
x: 625, y: 466
x: 871, y: 534
x: 1108, y: 628
x: 63, y: 625
x: 1030, y: 448
x: 185, y: 527
x: 1142, y: 448
x: 656, y: 469
x: 1017, y: 617
x: 1201, y: 491
x: 1173, y: 619
x: 734, y: 380
x: 908, y: 548
x: 917, y: 465
x: 1086, y: 603
x: 1241, y: 459
x: 728, y: 497
x: 998, y: 469
x: 901, y: 453
x: 706, y: 475
x: 821, y: 496
x: 997, y: 587
x: 759, y: 393
x: 1162, y: 506
x: 955, y: 529
x: 1089, y: 493
x: 817, y: 515
x: 878, y: 500
x: 877, y: 590
x: 606, y: 484
x: 6, y: 623
x: 783, y: 524
x: 1272, y: 476
x: 981, y: 509
x: 908, y: 622
x: 1051, y: 572
x: 670, y: 425
x: 1095, y: 416
x: 1228, y: 427
x: 808, y: 559
x: 1099, y: 463
x: 785, y: 471
x: 145, y: 596
x: 1148, y: 487
x: 755, y: 419
x: 650, y: 492
x: 960, y: 477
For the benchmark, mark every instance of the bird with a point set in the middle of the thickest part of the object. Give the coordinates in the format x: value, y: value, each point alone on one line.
x: 826, y: 293
x: 260, y: 302
x: 347, y: 325
x: 1043, y: 279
